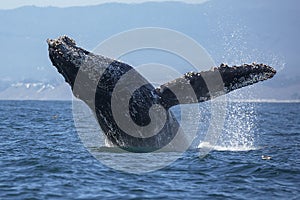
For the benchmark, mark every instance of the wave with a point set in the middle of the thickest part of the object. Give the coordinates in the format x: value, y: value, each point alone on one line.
x: 206, y: 145
x: 264, y: 100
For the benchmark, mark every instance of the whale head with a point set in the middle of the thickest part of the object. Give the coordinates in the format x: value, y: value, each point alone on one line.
x: 80, y: 68
x: 64, y: 58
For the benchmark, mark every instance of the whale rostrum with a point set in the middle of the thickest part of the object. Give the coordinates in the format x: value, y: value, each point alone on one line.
x: 133, y: 113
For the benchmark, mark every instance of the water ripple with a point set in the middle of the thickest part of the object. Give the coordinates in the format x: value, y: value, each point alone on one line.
x: 43, y: 158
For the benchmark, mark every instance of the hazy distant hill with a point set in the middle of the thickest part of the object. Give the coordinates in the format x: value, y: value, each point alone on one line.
x: 36, y: 91
x: 232, y: 31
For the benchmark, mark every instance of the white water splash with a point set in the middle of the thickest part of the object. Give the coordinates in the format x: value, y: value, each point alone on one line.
x: 238, y: 133
x: 206, y: 145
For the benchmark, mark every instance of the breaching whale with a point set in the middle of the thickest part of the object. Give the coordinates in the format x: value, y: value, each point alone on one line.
x: 100, y: 75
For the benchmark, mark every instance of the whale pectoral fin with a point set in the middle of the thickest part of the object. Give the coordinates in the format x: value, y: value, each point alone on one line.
x: 196, y: 87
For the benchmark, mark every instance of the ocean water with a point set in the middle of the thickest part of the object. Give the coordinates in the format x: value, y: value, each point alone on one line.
x: 42, y: 157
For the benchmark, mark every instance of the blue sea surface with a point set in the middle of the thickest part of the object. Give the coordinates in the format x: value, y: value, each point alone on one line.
x: 42, y: 157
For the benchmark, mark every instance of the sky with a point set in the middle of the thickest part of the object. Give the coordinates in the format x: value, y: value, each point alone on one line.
x: 11, y: 4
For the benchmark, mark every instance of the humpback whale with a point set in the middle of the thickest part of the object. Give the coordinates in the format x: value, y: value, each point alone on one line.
x: 147, y: 105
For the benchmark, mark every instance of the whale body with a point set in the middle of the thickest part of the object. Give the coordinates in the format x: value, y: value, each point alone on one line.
x: 147, y: 105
